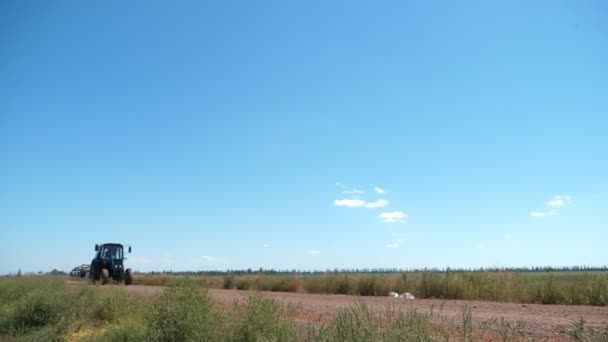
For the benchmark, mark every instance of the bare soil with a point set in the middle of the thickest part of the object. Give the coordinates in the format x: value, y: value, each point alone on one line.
x: 545, y: 321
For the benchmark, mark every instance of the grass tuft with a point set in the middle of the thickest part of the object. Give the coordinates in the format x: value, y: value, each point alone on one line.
x: 183, y: 312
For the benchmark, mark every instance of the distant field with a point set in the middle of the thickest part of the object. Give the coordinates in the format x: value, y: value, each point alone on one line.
x: 57, y: 309
x: 572, y: 288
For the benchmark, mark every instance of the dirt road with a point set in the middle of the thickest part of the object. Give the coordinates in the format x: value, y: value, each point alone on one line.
x: 541, y: 320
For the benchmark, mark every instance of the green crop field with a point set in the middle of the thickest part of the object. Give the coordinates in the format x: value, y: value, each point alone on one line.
x: 572, y: 288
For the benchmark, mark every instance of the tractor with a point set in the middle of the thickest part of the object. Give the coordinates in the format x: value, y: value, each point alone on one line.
x: 108, y: 265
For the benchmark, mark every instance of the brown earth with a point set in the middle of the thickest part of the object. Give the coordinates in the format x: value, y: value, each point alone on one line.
x: 545, y: 321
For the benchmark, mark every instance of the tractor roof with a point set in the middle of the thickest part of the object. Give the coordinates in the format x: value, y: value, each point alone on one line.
x: 110, y: 244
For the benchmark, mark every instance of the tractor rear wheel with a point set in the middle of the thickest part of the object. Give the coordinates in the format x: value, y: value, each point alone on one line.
x: 128, y: 277
x: 105, y: 276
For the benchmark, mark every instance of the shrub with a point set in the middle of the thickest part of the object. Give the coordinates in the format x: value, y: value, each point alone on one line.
x: 429, y: 285
x: 359, y: 323
x: 111, y: 305
x: 38, y: 308
x: 406, y: 326
x: 293, y: 285
x: 243, y: 284
x: 549, y: 293
x: 315, y: 284
x: 184, y: 312
x: 354, y: 324
x: 598, y: 293
x: 261, y: 319
x: 228, y: 282
x: 152, y: 279
x: 266, y: 283
x: 344, y: 285
x: 368, y: 285
x: 280, y: 284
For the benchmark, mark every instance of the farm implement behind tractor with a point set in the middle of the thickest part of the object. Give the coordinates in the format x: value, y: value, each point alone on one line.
x: 80, y: 271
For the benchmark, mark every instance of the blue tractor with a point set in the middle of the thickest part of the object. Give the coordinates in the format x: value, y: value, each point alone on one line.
x: 108, y: 265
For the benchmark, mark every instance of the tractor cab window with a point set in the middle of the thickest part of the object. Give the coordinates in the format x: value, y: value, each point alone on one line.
x: 105, y: 253
x: 117, y: 253
x: 111, y: 252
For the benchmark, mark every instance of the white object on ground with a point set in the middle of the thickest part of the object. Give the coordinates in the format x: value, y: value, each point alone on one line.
x: 393, y: 294
x: 407, y: 295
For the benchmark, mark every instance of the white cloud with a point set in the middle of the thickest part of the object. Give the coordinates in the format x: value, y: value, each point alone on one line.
x: 351, y: 203
x: 266, y: 245
x: 352, y: 192
x: 392, y: 245
x: 555, y: 203
x: 558, y: 201
x: 314, y: 252
x: 393, y: 216
x: 346, y: 190
x: 377, y: 204
x: 379, y: 190
x: 482, y: 245
x: 508, y: 237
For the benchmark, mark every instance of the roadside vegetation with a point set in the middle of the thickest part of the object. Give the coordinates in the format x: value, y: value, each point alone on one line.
x: 45, y: 309
x: 571, y: 288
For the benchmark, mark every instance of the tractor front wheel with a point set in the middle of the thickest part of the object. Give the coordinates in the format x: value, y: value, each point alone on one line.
x: 105, y: 276
x: 128, y: 277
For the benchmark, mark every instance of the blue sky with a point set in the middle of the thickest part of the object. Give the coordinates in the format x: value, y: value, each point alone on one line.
x: 214, y: 135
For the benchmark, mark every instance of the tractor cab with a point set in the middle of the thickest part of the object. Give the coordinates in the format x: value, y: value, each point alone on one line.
x: 110, y: 251
x: 108, y: 264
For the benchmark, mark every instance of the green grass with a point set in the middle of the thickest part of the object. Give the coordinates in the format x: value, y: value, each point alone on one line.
x: 183, y: 312
x: 260, y: 319
x: 44, y: 309
x: 360, y: 324
x: 30, y: 304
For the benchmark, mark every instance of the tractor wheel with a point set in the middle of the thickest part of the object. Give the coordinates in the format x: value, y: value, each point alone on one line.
x: 128, y: 277
x: 105, y: 276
